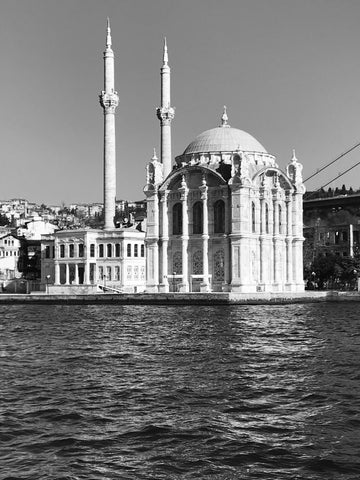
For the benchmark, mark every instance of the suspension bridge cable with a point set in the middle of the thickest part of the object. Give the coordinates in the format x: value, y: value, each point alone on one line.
x: 330, y: 163
x: 335, y: 178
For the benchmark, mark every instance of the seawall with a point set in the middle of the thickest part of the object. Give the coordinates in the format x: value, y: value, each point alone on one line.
x: 183, y: 298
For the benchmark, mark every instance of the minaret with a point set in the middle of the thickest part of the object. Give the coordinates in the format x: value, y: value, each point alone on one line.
x: 109, y: 100
x: 165, y: 114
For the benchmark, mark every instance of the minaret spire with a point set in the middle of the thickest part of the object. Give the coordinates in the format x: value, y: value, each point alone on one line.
x: 165, y: 114
x: 166, y: 56
x: 108, y: 34
x: 109, y: 100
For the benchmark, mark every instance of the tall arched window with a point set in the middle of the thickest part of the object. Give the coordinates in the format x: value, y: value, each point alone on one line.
x: 266, y: 218
x: 198, y: 217
x: 253, y: 217
x: 219, y: 217
x: 280, y: 217
x: 177, y: 219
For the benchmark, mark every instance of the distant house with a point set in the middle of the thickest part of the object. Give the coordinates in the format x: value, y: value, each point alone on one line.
x: 9, y: 256
x: 34, y: 228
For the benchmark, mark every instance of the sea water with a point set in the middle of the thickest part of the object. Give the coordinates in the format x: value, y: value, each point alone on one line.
x: 180, y: 392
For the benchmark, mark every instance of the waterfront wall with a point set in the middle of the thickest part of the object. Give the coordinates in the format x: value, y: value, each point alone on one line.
x: 221, y: 298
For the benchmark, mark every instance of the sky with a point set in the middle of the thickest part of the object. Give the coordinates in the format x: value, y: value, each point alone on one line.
x: 287, y: 70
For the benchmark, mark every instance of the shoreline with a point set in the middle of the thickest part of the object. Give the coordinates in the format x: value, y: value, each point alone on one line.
x: 215, y: 298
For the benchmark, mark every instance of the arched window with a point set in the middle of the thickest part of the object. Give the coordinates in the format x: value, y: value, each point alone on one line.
x: 219, y: 262
x: 197, y: 266
x: 177, y: 263
x: 253, y: 217
x: 266, y: 218
x: 177, y: 219
x: 128, y: 249
x: 109, y: 250
x: 198, y: 217
x: 117, y: 249
x: 280, y: 217
x: 219, y: 217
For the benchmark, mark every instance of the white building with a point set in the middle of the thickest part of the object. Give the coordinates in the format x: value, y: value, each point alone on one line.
x: 34, y: 229
x: 94, y: 259
x: 9, y: 256
x: 225, y: 217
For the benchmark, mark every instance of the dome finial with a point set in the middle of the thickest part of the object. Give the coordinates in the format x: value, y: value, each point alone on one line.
x: 154, y: 155
x: 294, y: 159
x: 224, y: 118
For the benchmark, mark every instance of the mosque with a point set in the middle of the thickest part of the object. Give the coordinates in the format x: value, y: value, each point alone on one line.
x: 223, y: 216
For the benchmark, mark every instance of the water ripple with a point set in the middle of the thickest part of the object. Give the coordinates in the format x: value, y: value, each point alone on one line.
x: 139, y: 392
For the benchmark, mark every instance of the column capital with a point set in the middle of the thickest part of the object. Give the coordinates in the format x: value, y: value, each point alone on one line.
x: 164, y: 195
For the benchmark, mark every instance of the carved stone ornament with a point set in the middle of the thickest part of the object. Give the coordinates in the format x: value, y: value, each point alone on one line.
x: 109, y: 101
x: 165, y: 115
x: 154, y: 172
x: 294, y: 170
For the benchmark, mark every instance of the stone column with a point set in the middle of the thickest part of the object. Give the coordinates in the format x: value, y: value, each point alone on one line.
x: 298, y: 240
x: 288, y: 241
x: 184, y: 287
x: 57, y: 273
x: 164, y: 286
x: 276, y: 243
x: 262, y: 241
x: 227, y: 243
x: 205, y: 286
x: 152, y: 243
x: 86, y: 260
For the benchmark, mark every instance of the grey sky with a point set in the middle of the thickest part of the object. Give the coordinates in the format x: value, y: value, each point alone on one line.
x: 288, y: 71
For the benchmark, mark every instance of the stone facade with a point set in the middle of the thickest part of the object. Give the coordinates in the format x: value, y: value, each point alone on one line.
x: 109, y: 260
x: 225, y: 218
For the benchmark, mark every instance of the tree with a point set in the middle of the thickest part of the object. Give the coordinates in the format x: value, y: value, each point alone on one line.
x: 4, y: 221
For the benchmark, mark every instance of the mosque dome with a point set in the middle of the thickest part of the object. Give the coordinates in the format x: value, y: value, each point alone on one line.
x: 224, y: 139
